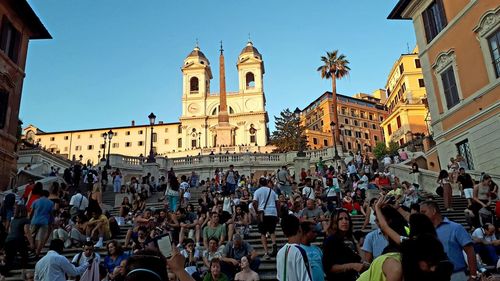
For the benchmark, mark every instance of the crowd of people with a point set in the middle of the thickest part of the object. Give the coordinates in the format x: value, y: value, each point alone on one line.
x: 404, y: 235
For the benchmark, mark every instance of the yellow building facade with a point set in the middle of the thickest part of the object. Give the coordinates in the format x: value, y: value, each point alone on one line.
x: 195, y: 132
x: 406, y: 100
x: 459, y: 43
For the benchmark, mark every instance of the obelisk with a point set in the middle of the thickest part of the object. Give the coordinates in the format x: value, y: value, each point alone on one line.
x: 223, y: 129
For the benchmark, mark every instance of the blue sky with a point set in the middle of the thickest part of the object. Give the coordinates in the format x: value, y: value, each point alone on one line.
x: 114, y: 61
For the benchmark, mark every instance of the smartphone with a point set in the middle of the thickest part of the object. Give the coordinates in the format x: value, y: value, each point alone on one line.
x: 165, y: 246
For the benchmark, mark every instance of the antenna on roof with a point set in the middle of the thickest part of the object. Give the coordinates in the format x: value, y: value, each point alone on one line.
x: 407, y: 48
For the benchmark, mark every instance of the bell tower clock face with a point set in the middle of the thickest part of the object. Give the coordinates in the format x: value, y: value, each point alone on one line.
x: 193, y: 108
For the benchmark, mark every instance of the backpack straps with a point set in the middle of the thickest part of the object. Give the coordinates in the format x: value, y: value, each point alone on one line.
x: 306, y: 261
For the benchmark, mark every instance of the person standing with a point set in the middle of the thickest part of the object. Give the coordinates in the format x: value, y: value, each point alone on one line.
x: 455, y: 239
x: 292, y: 263
x: 117, y: 181
x: 54, y: 266
x: 265, y: 203
x: 285, y: 181
x: 41, y: 216
x: 466, y: 185
x: 230, y: 179
x: 314, y: 254
x: 444, y: 182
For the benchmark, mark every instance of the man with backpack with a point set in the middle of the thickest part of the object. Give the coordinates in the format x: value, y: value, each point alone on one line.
x: 265, y: 202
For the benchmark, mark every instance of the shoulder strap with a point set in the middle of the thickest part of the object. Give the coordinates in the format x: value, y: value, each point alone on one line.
x: 81, y: 199
x: 267, y: 200
x: 286, y: 258
x: 306, y: 260
x: 79, y: 258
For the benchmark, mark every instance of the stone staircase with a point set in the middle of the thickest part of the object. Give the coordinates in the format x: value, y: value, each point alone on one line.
x: 267, y: 270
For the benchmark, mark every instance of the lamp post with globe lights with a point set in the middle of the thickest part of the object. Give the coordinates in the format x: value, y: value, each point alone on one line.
x: 105, y: 137
x: 110, y: 136
x: 151, y: 157
x: 300, y: 153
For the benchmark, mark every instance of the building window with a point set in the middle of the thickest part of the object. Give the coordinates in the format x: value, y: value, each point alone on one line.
x: 179, y: 129
x: 10, y: 40
x: 389, y: 130
x: 370, y: 116
x: 115, y: 134
x: 4, y: 104
x: 140, y: 132
x: 52, y: 139
x: 362, y: 114
x: 253, y: 139
x: 366, y: 136
x: 349, y: 146
x: 78, y: 136
x: 127, y: 133
x: 463, y: 149
x: 417, y: 63
x: 91, y: 136
x: 450, y: 89
x: 356, y: 123
x: 353, y: 113
x: 403, y: 87
x: 358, y: 134
x: 375, y: 138
x: 343, y: 111
x: 315, y: 141
x: 250, y: 80
x: 434, y: 19
x: 167, y: 141
x: 194, y: 84
x: 128, y: 144
x: 65, y: 148
x: 365, y: 124
x: 374, y: 126
x: 179, y: 143
x: 421, y: 83
x: 140, y: 143
x: 155, y: 137
x: 101, y: 146
x: 166, y: 130
x: 401, y: 68
x: 66, y: 137
x: 398, y: 120
x: 346, y: 121
x: 115, y: 145
x: 78, y: 148
x: 90, y: 147
x: 193, y: 143
x: 401, y: 142
x: 381, y: 118
x: 325, y: 142
x: 494, y: 42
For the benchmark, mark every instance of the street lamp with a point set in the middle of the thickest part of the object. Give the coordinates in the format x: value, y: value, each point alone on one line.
x: 105, y: 137
x: 332, y: 126
x: 151, y: 157
x: 199, y: 140
x: 300, y: 153
x: 110, y: 136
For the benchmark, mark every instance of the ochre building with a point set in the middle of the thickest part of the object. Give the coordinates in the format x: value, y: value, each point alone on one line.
x: 406, y: 101
x: 19, y: 24
x: 204, y: 126
x: 459, y: 50
x: 359, y: 119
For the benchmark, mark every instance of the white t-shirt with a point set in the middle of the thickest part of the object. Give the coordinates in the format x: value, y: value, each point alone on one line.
x: 332, y: 190
x: 363, y: 182
x: 75, y: 201
x: 478, y: 233
x: 184, y: 186
x: 309, y: 192
x: 387, y: 160
x: 295, y: 266
x: 260, y: 196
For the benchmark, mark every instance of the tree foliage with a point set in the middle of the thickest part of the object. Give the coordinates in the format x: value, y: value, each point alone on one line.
x: 393, y: 148
x: 380, y: 150
x: 289, y: 132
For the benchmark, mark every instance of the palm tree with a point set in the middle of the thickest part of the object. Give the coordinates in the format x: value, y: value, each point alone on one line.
x: 335, y: 66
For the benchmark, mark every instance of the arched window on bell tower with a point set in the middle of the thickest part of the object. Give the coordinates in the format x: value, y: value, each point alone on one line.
x: 250, y: 80
x: 194, y: 85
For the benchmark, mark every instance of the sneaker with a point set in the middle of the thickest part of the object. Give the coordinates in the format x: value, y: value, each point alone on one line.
x: 274, y: 251
x: 266, y: 256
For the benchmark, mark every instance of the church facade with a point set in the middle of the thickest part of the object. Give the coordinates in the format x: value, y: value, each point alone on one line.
x: 209, y: 121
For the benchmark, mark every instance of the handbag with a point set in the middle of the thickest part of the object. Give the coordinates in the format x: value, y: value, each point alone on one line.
x: 440, y: 191
x: 260, y: 217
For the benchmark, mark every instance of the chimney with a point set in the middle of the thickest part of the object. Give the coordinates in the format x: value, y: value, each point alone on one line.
x: 161, y: 122
x: 133, y: 123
